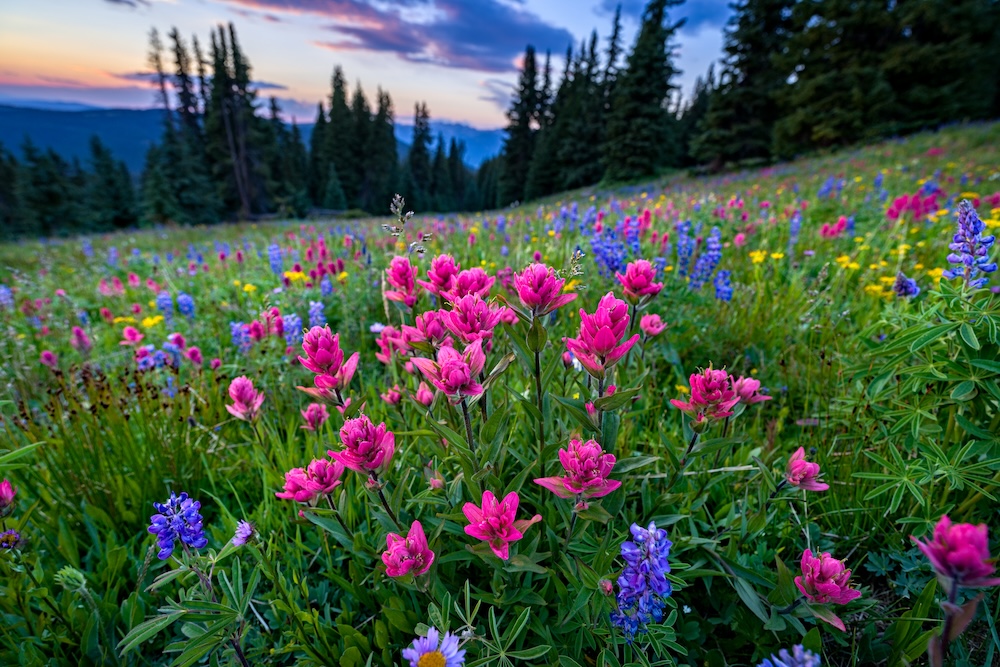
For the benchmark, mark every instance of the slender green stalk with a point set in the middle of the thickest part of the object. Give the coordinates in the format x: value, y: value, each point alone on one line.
x: 538, y: 403
x: 468, y: 426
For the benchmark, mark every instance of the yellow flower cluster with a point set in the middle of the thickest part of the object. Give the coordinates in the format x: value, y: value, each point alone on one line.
x: 295, y: 276
x: 119, y: 320
x: 249, y: 289
x: 150, y: 322
x: 846, y: 262
x: 758, y: 256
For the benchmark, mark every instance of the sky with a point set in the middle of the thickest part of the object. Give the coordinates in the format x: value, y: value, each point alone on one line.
x: 460, y: 56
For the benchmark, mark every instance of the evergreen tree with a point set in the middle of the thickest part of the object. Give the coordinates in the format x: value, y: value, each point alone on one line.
x: 417, y: 176
x: 543, y: 174
x: 641, y: 136
x: 739, y: 122
x: 249, y: 129
x: 441, y: 190
x: 49, y: 191
x: 609, y: 78
x: 942, y: 65
x: 110, y: 197
x: 578, y: 157
x: 319, y: 159
x: 341, y: 125
x: 159, y: 205
x: 487, y: 181
x: 382, y: 163
x: 519, y: 144
x: 333, y: 194
x: 458, y: 175
x: 12, y: 220
x: 220, y: 133
x: 839, y: 92
x: 692, y: 114
x: 354, y: 173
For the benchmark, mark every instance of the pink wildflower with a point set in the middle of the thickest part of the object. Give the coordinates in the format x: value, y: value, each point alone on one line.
x: 401, y: 275
x: 825, y: 579
x: 599, y: 344
x: 494, y: 522
x: 367, y: 448
x: 407, y: 555
x: 638, y: 282
x: 541, y: 290
x: 587, y: 468
x: 960, y: 554
x: 454, y: 373
x: 246, y: 399
x: 315, y: 416
x: 804, y: 474
x: 652, y: 325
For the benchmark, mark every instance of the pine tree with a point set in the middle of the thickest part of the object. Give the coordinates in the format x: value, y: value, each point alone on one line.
x: 333, y: 195
x: 48, y: 189
x: 519, y: 144
x: 159, y: 205
x: 543, y: 174
x: 417, y: 176
x: 319, y: 159
x: 12, y: 220
x: 458, y: 174
x: 582, y: 120
x: 382, y: 163
x: 641, y: 135
x: 739, y: 122
x: 341, y: 125
x: 441, y: 190
x: 692, y: 114
x: 354, y: 173
x: 110, y: 199
x: 942, y: 65
x: 840, y: 93
x: 487, y: 179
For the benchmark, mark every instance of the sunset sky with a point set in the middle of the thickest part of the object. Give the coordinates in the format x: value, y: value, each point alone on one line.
x: 458, y: 55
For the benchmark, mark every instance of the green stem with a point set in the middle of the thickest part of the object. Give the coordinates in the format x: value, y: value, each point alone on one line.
x: 538, y: 403
x: 683, y: 463
x: 385, y: 503
x: 948, y: 620
x: 468, y: 426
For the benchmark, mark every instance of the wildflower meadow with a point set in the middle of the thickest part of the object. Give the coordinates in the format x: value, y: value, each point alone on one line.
x: 748, y: 419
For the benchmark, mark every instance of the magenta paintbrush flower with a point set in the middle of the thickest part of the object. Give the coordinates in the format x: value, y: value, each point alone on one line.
x: 825, y: 579
x: 454, y: 372
x: 470, y: 281
x: 748, y: 390
x: 960, y: 554
x: 494, y: 522
x: 441, y: 276
x: 367, y: 448
x: 652, y: 325
x: 424, y: 395
x: 407, y: 555
x: 712, y: 396
x: 541, y: 290
x: 49, y: 358
x: 131, y: 336
x: 804, y: 474
x: 246, y: 399
x: 319, y: 478
x: 402, y: 276
x: 472, y: 319
x: 315, y: 415
x: 80, y: 340
x: 391, y: 342
x: 638, y: 282
x: 325, y: 358
x: 7, y: 494
x: 587, y: 468
x: 393, y: 395
x: 431, y: 327
x: 599, y: 346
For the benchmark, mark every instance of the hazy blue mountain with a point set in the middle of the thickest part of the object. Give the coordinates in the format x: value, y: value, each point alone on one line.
x: 67, y: 128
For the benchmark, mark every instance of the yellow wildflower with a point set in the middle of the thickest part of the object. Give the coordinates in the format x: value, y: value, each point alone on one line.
x: 682, y: 389
x: 758, y: 256
x: 237, y: 283
x: 249, y: 289
x: 150, y: 322
x: 119, y: 320
x: 777, y: 255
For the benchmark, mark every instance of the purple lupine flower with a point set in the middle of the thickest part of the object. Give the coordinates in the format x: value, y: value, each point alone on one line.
x: 293, y: 330
x: 723, y: 288
x: 905, y: 287
x: 707, y: 261
x: 643, y: 584
x: 244, y: 531
x: 799, y: 657
x: 969, y: 248
x: 316, y: 316
x: 178, y: 519
x: 274, y: 257
x: 185, y: 305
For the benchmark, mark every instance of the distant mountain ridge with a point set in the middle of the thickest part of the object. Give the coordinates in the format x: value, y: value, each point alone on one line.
x: 67, y: 128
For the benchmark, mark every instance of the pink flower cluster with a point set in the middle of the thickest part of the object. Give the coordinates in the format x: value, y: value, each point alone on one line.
x: 804, y: 474
x: 960, y: 554
x: 368, y: 448
x: 454, y: 372
x: 598, y: 346
x: 715, y: 393
x: 246, y: 399
x: 587, y: 468
x: 407, y: 555
x: 541, y: 290
x: 825, y: 579
x: 494, y: 522
x: 325, y: 358
x: 318, y: 479
x: 638, y: 282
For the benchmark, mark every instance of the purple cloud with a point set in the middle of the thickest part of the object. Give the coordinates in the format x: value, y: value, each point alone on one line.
x: 696, y: 14
x: 498, y: 92
x: 479, y: 35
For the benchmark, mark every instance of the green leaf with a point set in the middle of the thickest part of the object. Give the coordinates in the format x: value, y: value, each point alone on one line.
x: 986, y: 365
x: 930, y: 336
x: 536, y: 337
x: 750, y: 599
x: 147, y: 630
x: 521, y: 563
x: 530, y: 653
x: 617, y: 399
x: 969, y: 336
x: 631, y: 463
x: 964, y: 391
x: 595, y: 513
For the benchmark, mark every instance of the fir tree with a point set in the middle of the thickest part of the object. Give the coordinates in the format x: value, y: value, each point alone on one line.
x: 693, y: 112
x: 441, y: 190
x: 341, y: 125
x: 110, y: 196
x: 319, y: 159
x: 641, y: 136
x: 839, y: 92
x: 354, y: 173
x: 417, y: 176
x: 333, y: 194
x: 382, y: 161
x: 519, y: 144
x: 12, y: 219
x: 739, y: 121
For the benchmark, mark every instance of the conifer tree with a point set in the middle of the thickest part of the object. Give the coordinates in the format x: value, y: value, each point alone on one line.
x: 382, y: 163
x: 458, y: 174
x: 578, y: 156
x: 319, y: 159
x: 354, y: 173
x: 341, y: 124
x: 12, y: 219
x: 417, y: 181
x: 519, y: 144
x: 640, y: 134
x: 110, y: 198
x: 692, y: 112
x: 839, y: 92
x: 739, y: 122
x: 441, y: 190
x: 333, y: 194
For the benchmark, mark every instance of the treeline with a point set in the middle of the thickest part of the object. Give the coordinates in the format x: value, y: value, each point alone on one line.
x: 43, y: 194
x: 796, y: 76
x: 225, y: 155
